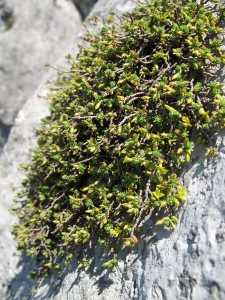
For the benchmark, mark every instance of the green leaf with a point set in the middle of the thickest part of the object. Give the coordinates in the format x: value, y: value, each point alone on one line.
x: 160, y: 222
x: 158, y: 194
x: 97, y: 105
x: 115, y: 231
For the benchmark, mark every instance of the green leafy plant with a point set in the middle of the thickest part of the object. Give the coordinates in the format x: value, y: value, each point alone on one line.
x: 120, y: 129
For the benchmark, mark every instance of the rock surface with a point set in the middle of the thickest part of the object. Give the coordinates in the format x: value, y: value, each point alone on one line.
x: 31, y: 34
x: 188, y: 263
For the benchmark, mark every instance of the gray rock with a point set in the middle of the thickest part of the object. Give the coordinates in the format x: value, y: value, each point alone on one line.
x: 31, y: 33
x: 188, y: 263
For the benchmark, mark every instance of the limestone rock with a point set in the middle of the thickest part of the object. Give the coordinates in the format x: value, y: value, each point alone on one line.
x: 188, y: 263
x: 31, y: 34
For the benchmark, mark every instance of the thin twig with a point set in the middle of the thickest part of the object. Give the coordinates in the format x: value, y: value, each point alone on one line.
x: 47, y: 210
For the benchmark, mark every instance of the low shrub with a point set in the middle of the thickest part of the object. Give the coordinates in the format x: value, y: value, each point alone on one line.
x: 119, y: 130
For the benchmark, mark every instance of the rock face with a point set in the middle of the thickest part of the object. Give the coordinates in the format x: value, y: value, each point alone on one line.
x: 188, y: 263
x: 32, y: 33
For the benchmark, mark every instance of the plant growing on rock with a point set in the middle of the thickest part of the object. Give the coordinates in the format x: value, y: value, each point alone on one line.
x: 120, y: 129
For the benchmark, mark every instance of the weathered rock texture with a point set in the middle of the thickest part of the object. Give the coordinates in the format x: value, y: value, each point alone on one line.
x: 31, y: 33
x: 188, y: 263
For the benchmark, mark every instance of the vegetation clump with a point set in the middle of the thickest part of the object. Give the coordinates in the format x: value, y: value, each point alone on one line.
x: 120, y: 129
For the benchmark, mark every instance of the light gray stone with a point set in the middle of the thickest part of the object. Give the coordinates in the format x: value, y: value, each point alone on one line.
x: 31, y: 34
x: 188, y: 263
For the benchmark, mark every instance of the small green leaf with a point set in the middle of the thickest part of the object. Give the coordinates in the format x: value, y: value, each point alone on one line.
x: 97, y: 105
x: 160, y: 222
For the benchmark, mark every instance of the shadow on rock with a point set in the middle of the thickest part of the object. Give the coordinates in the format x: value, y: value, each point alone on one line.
x: 19, y: 287
x: 101, y: 278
